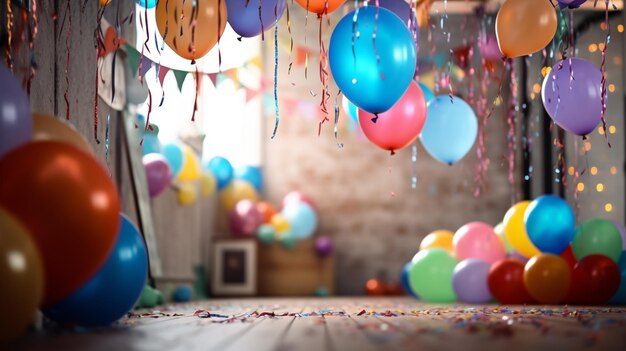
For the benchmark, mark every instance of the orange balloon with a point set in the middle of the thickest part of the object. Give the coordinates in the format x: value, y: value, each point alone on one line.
x: 47, y: 127
x: 438, y: 238
x: 70, y: 206
x: 547, y: 278
x: 267, y: 211
x: 236, y: 191
x: 319, y: 6
x: 176, y: 18
x: 525, y: 26
x: 375, y: 287
x: 21, y: 274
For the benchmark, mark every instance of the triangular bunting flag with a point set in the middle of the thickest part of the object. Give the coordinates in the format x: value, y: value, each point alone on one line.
x: 162, y: 72
x: 146, y: 64
x: 180, y: 78
x: 133, y: 58
x: 213, y: 78
x: 251, y: 94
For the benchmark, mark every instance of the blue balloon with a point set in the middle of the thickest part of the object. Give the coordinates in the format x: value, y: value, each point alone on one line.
x: 222, y: 170
x: 404, y: 279
x: 428, y: 94
x: 244, y: 18
x: 175, y: 157
x: 113, y: 291
x: 252, y: 175
x: 620, y: 296
x: 372, y: 84
x: 550, y: 224
x: 182, y: 293
x: 302, y: 219
x: 148, y: 4
x: 450, y: 129
x: 350, y: 109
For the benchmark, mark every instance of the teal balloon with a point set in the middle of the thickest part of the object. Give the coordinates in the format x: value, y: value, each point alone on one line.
x: 350, y: 109
x: 151, y: 143
x: 288, y: 240
x: 620, y: 296
x: 222, y: 170
x: 550, y: 224
x: 373, y: 79
x: 148, y: 4
x: 175, y: 157
x: 450, y: 129
x: 428, y: 94
x: 430, y: 275
x: 322, y: 291
x: 597, y: 236
x: 266, y: 234
x: 302, y: 219
x: 252, y: 175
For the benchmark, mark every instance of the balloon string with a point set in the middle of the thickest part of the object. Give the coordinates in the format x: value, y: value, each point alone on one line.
x: 195, y: 102
x: 98, y: 45
x: 147, y: 125
x: 9, y: 27
x: 261, y: 20
x: 145, y: 44
x: 277, y: 121
x: 67, y: 63
x: 290, y: 36
x: 505, y: 63
x: 335, y: 130
x: 559, y: 167
x: 323, y: 68
x: 106, y: 138
x: 306, y: 52
x: 118, y: 33
x: 414, y: 165
x: 31, y: 45
x: 512, y: 132
x: 603, y: 71
x: 576, y: 178
x: 95, y: 103
x: 219, y: 26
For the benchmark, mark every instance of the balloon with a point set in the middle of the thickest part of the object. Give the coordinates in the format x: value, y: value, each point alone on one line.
x: 469, y: 281
x: 506, y: 282
x: 550, y: 224
x: 568, y: 256
x: 280, y: 224
x: 350, y: 109
x: 572, y: 4
x: 252, y: 175
x: 399, y: 126
x: 186, y: 194
x: 572, y: 95
x: 595, y: 279
x: 515, y: 231
x: 21, y: 273
x: 499, y: 230
x: 450, y: 129
x: 175, y: 157
x: 16, y: 124
x: 295, y: 197
x: 517, y: 256
x: 439, y: 238
x: 105, y: 2
x: 320, y: 6
x: 245, y: 19
x: 236, y: 191
x: 288, y: 240
x: 148, y: 298
x: 324, y: 246
x: 208, y: 184
x: 428, y: 94
x: 620, y: 296
x: 245, y: 218
x: 375, y: 287
x: 191, y: 167
x: 267, y: 210
x: 69, y: 205
x: 374, y: 81
x: 622, y: 232
x: 222, y: 170
x: 148, y: 4
x: 302, y: 219
x: 158, y: 173
x: 150, y: 140
x: 187, y: 40
x: 547, y: 278
x: 525, y: 26
x: 265, y: 233
x: 322, y: 291
x: 113, y: 291
x: 477, y: 240
x: 488, y: 46
x: 182, y: 293
x: 404, y: 280
x: 404, y: 11
x: 47, y: 127
x: 597, y: 236
x: 431, y: 275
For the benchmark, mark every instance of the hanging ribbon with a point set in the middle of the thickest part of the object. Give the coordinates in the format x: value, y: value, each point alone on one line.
x: 511, y: 136
x: 290, y: 38
x: 603, y: 90
x: 9, y: 28
x: 31, y: 45
x: 67, y: 63
x: 339, y: 145
x: 276, y: 81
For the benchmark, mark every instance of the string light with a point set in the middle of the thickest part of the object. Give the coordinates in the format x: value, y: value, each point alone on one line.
x: 580, y: 186
x: 613, y: 170
x: 608, y: 207
x: 612, y: 129
x: 601, y: 46
x: 588, y: 144
x: 620, y: 28
x: 545, y: 70
x: 537, y: 88
x: 570, y: 170
x: 601, y: 130
x: 592, y: 48
x: 612, y: 88
x: 594, y: 170
x: 600, y: 187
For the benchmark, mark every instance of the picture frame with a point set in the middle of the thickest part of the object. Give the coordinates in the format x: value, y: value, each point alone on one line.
x: 234, y: 268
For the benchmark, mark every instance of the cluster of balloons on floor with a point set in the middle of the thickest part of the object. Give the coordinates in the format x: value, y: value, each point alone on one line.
x: 65, y: 247
x: 536, y: 255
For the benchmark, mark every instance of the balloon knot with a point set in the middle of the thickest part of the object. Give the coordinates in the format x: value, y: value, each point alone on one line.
x: 375, y: 119
x: 239, y: 38
x: 449, y: 163
x: 393, y: 152
x: 193, y: 61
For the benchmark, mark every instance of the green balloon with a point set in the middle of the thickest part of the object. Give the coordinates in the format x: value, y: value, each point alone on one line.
x: 288, y: 240
x: 148, y: 298
x: 597, y: 236
x: 160, y: 298
x: 499, y: 230
x: 265, y: 233
x: 431, y: 275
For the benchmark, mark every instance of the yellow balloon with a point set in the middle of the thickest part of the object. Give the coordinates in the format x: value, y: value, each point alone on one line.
x: 208, y: 184
x: 280, y: 224
x: 186, y: 195
x: 236, y: 191
x: 439, y: 238
x: 515, y: 231
x: 21, y: 274
x: 525, y: 26
x: 47, y: 127
x: 191, y: 167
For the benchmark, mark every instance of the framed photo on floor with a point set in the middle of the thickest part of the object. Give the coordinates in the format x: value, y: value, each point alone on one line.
x: 235, y: 268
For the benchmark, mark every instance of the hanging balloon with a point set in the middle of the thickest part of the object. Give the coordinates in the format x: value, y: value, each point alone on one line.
x: 47, y: 127
x: 595, y: 279
x: 428, y: 94
x: 252, y: 175
x: 67, y: 201
x: 374, y: 78
x: 469, y: 281
x: 191, y: 170
x: 222, y: 170
x: 236, y: 191
x: 251, y: 18
x: 550, y: 223
x: 280, y: 224
x: 113, y: 291
x: 525, y: 26
x: 245, y: 218
x: 194, y: 35
x: 506, y: 282
x: 175, y: 157
x: 547, y: 278
x: 350, y: 109
x: 572, y: 95
x: 21, y: 273
x: 324, y: 246
x: 620, y: 296
x: 320, y: 6
x: 571, y: 4
x: 515, y: 231
x: 431, y: 275
x: 450, y: 129
x: 186, y: 194
x: 208, y: 184
x: 16, y: 124
x: 158, y: 173
x: 597, y: 236
x: 399, y: 126
x: 404, y: 11
x: 477, y: 240
x: 302, y: 219
x: 439, y: 238
x: 148, y: 4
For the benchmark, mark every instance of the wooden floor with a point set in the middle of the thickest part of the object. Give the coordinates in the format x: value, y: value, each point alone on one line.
x: 348, y: 324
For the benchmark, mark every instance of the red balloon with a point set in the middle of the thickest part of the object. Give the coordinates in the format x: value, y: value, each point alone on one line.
x: 568, y: 256
x: 296, y: 196
x: 375, y: 287
x: 506, y: 282
x: 245, y: 218
x: 70, y: 206
x: 400, y: 125
x: 595, y: 280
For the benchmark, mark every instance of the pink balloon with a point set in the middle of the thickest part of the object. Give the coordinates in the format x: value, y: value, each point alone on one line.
x: 399, y: 126
x: 489, y: 49
x: 245, y: 218
x: 478, y: 240
x: 158, y: 173
x: 296, y: 196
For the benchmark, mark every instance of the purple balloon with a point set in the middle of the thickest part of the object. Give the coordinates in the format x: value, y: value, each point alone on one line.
x: 572, y: 4
x: 16, y: 121
x: 488, y: 46
x: 402, y: 9
x: 571, y: 95
x: 245, y: 20
x: 469, y: 281
x: 622, y: 231
x: 245, y: 218
x: 158, y: 173
x: 324, y: 246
